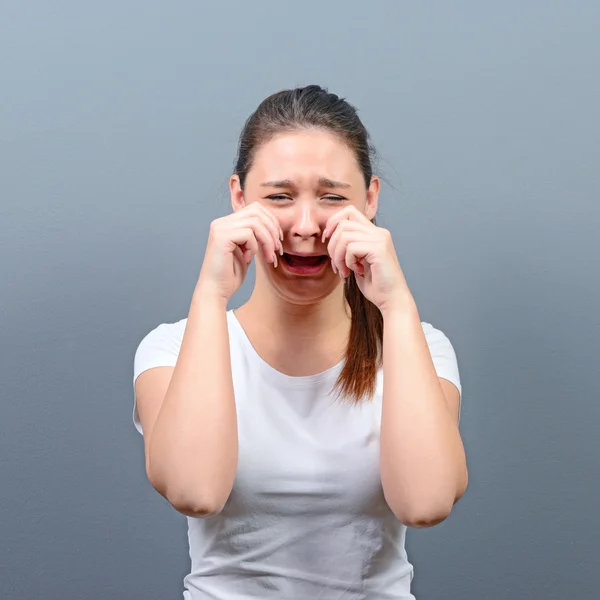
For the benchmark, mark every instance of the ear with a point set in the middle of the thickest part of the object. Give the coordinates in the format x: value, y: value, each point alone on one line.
x: 372, y: 198
x: 237, y: 195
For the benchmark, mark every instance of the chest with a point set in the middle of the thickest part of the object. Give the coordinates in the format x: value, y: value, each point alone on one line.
x: 301, y: 452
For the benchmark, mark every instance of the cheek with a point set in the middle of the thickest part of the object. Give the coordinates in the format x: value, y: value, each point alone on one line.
x: 286, y: 218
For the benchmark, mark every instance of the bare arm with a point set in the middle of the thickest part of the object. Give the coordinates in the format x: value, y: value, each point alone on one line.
x: 188, y: 414
x: 423, y: 464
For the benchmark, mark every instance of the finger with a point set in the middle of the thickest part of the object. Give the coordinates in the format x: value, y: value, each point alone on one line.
x: 272, y: 224
x: 269, y: 219
x: 344, y: 233
x: 276, y: 232
x: 338, y: 252
x: 244, y: 241
x: 244, y: 258
x: 346, y: 225
x: 349, y: 213
x: 274, y: 220
x: 264, y: 235
x: 356, y: 253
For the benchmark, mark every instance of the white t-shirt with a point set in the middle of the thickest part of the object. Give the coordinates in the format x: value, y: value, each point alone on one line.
x: 306, y: 518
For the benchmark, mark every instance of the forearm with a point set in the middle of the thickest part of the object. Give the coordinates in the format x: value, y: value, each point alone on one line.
x: 194, y: 444
x: 423, y: 467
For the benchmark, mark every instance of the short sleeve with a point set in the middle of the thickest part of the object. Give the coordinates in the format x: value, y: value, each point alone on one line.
x: 160, y: 348
x: 442, y: 354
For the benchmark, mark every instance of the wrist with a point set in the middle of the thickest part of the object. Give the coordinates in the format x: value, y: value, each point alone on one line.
x: 207, y: 293
x: 403, y: 307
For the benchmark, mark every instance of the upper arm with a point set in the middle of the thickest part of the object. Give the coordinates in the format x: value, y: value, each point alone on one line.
x: 446, y: 365
x: 150, y: 389
x: 153, y: 366
x: 452, y: 396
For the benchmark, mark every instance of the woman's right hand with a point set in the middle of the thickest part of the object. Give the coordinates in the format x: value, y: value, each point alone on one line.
x: 233, y: 240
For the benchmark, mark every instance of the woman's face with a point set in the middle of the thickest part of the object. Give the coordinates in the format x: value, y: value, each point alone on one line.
x: 303, y: 178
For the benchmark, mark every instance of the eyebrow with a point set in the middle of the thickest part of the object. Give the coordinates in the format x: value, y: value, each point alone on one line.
x: 323, y: 182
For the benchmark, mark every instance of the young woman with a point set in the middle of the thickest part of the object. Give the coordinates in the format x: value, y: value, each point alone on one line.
x: 303, y: 432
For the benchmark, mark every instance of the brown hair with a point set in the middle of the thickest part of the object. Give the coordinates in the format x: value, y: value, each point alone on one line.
x: 313, y: 107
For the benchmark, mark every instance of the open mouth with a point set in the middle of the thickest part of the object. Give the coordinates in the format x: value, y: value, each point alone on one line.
x: 304, y: 261
x: 303, y: 265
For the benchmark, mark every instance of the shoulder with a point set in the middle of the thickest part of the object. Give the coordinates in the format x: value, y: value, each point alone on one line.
x: 159, y: 347
x: 442, y: 353
x: 436, y: 338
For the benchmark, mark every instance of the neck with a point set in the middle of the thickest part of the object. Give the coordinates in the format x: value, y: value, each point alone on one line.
x: 281, y: 320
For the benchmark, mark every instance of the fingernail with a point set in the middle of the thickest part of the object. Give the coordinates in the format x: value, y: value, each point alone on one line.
x: 281, y: 248
x: 324, y: 236
x: 281, y: 234
x: 275, y: 259
x: 333, y: 266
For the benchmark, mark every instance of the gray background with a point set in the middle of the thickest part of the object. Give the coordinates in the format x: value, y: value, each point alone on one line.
x: 119, y: 123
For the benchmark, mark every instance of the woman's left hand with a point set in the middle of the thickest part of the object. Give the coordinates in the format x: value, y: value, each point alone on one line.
x: 356, y: 244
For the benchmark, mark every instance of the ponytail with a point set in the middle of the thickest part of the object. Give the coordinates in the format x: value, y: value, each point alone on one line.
x: 358, y: 379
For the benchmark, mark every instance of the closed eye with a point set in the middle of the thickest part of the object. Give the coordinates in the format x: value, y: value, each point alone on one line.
x: 280, y: 197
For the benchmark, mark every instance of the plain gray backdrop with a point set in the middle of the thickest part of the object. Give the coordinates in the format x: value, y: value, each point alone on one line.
x: 119, y: 123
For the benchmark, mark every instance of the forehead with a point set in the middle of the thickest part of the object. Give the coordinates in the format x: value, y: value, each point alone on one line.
x: 303, y: 152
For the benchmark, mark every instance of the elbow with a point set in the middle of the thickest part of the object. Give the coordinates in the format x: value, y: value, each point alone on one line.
x: 424, y: 516
x: 199, y: 505
x: 462, y: 487
x: 198, y: 508
x: 426, y: 503
x: 425, y: 509
x: 423, y: 512
x: 185, y: 501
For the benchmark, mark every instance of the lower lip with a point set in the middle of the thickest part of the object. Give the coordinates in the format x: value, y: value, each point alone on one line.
x: 303, y: 270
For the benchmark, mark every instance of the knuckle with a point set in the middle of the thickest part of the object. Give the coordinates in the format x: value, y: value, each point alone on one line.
x: 255, y: 222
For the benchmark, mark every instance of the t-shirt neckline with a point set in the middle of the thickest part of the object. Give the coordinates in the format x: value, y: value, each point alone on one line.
x: 275, y: 375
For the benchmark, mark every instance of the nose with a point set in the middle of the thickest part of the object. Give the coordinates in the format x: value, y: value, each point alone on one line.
x: 306, y: 221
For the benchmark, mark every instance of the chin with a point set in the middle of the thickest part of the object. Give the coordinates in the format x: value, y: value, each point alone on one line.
x: 305, y: 293
x: 300, y: 290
